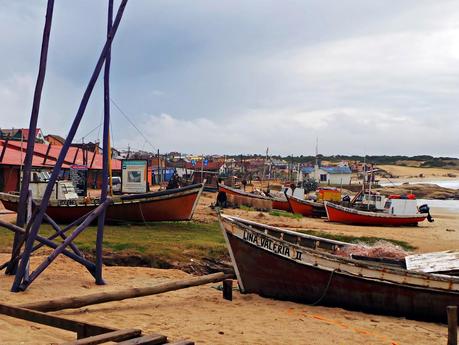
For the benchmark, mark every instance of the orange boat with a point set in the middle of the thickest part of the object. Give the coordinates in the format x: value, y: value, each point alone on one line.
x: 274, y: 202
x: 168, y: 205
x: 307, y: 208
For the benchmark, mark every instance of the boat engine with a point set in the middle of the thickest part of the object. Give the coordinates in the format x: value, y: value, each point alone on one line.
x: 426, y: 209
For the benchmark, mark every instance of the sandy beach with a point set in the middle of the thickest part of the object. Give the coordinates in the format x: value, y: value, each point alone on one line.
x: 202, y: 315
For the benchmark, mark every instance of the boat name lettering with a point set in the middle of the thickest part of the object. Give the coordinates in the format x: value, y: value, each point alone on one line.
x: 269, y: 244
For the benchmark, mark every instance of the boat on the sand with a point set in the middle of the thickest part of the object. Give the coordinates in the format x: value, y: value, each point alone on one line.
x: 241, y: 197
x: 167, y: 205
x: 307, y: 208
x: 395, y: 210
x: 282, y: 264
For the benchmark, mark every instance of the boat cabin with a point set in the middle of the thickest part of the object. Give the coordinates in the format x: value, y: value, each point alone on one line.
x: 401, y: 205
x: 373, y: 201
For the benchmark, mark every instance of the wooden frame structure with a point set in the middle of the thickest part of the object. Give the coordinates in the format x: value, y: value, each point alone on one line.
x: 28, y: 220
x: 88, y: 333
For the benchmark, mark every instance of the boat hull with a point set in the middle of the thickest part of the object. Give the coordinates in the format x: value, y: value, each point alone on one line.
x: 306, y: 207
x: 340, y: 214
x: 249, y: 199
x: 175, y: 206
x: 269, y: 274
x: 282, y: 205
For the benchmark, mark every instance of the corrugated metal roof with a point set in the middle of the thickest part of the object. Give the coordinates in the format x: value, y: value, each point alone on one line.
x: 337, y: 170
x: 307, y: 170
x: 13, y: 156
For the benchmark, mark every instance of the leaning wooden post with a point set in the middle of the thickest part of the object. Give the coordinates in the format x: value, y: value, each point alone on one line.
x: 228, y: 289
x: 110, y: 296
x: 57, y: 168
x: 452, y: 324
x: 21, y: 216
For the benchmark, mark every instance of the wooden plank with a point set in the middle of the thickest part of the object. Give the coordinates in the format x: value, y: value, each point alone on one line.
x: 81, y: 328
x: 182, y: 342
x: 151, y: 339
x: 103, y: 297
x: 433, y: 262
x: 118, y: 335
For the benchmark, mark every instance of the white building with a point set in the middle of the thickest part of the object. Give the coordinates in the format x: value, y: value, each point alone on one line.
x: 336, y: 175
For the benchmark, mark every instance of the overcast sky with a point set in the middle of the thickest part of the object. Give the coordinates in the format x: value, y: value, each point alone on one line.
x: 365, y: 77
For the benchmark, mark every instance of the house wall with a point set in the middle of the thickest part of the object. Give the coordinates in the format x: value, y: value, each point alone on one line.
x: 339, y: 178
x: 331, y: 178
x: 9, y: 179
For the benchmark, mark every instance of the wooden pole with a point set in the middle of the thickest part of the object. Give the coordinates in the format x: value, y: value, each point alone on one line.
x: 106, y: 152
x: 103, y: 297
x: 21, y: 212
x: 452, y: 324
x: 228, y: 289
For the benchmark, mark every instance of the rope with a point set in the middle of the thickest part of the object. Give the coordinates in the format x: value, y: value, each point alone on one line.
x: 325, y: 290
x: 132, y: 123
x: 220, y: 288
x: 143, y: 218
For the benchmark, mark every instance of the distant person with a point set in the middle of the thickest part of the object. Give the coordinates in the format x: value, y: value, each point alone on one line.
x: 174, y: 181
x: 244, y: 184
x: 222, y: 200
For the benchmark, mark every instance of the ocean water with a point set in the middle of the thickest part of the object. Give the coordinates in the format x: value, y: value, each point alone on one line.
x: 453, y: 184
x: 450, y: 205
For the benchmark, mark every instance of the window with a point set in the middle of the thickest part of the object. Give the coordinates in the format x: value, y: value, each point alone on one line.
x: 323, y: 177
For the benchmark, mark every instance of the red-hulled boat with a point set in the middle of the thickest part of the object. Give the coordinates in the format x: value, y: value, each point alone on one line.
x: 168, y: 205
x: 347, y: 215
x: 307, y: 208
x: 283, y: 264
x: 279, y: 203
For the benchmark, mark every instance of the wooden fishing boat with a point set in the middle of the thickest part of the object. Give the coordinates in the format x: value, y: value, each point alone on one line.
x: 250, y: 199
x: 168, y: 205
x: 307, y: 208
x: 347, y: 215
x: 287, y: 265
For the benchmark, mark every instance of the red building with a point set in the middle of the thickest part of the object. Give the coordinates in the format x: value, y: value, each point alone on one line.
x: 45, y: 156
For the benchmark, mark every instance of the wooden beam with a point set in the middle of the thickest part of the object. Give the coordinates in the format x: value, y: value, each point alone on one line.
x: 103, y: 297
x: 83, y: 329
x: 182, y: 342
x: 116, y: 336
x: 152, y: 339
x: 47, y: 153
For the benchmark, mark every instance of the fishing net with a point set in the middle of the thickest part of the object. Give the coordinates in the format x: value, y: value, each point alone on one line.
x: 380, y: 249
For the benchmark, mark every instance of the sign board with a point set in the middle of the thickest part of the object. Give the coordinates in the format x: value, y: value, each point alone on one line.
x: 79, y: 177
x: 206, y: 162
x: 133, y: 176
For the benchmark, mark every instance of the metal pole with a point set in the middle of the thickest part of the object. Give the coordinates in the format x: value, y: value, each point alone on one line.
x: 56, y: 170
x: 21, y: 216
x: 202, y: 168
x: 106, y: 154
x: 158, y: 169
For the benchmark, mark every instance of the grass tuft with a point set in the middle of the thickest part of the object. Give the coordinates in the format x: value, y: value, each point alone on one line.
x: 280, y: 213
